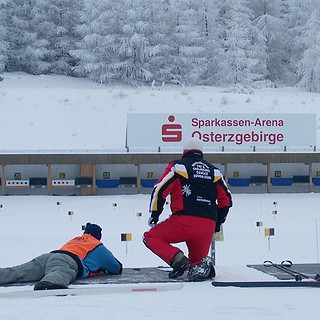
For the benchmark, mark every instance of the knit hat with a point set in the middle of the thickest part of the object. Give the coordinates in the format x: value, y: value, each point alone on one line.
x: 94, y: 230
x: 192, y: 144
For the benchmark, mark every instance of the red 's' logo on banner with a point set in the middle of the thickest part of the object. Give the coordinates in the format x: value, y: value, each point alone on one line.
x: 171, y: 132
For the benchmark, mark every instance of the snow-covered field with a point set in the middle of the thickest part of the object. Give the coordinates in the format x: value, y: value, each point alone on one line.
x: 57, y: 113
x: 31, y: 225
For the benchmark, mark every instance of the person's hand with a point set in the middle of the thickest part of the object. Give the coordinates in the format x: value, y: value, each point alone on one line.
x: 153, y: 220
x: 222, y: 216
x: 218, y: 227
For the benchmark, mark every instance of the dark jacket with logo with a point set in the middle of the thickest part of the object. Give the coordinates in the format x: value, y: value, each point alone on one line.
x: 196, y: 187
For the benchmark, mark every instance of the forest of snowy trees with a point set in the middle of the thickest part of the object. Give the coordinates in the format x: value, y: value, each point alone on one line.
x: 241, y: 44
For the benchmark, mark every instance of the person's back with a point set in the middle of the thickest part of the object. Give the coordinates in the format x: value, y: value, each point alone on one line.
x: 196, y: 187
x: 200, y: 201
x: 199, y: 183
x: 93, y: 255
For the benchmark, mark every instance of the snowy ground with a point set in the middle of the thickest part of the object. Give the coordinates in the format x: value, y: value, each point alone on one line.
x: 31, y: 225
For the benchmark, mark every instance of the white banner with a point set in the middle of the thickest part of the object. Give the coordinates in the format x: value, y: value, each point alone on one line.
x: 216, y: 130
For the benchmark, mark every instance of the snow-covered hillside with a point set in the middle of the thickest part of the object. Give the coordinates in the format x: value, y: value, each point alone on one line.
x: 52, y: 113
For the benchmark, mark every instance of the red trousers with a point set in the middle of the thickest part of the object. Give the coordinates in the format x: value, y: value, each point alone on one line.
x: 196, y: 232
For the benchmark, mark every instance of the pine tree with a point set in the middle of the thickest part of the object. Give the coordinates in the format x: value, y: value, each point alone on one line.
x: 115, y: 45
x: 26, y: 51
x: 285, y: 43
x: 56, y: 21
x: 160, y: 40
x: 238, y: 58
x: 308, y: 68
x: 271, y: 28
x: 3, y: 41
x: 212, y: 31
x: 188, y: 58
x: 98, y: 44
x: 135, y: 48
x: 297, y: 17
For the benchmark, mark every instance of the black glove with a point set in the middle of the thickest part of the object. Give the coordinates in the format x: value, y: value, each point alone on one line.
x: 218, y: 227
x: 221, y: 217
x: 153, y: 219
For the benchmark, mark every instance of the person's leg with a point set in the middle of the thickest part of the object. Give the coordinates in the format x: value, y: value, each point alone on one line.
x: 159, y: 238
x: 33, y: 270
x: 60, y: 271
x: 200, y: 238
x: 198, y: 244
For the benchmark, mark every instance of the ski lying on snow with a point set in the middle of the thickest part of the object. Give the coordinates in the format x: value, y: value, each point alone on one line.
x: 95, y: 290
x: 266, y: 284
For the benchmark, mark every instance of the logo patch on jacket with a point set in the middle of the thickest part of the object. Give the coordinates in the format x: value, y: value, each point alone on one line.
x: 201, y: 170
x: 186, y: 190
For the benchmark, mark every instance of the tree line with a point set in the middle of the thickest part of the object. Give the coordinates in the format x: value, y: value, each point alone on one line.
x: 240, y: 44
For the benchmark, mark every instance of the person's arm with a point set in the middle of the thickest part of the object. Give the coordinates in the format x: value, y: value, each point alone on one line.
x: 102, y: 258
x: 224, y: 200
x: 160, y: 192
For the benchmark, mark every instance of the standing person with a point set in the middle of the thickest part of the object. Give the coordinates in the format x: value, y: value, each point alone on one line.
x: 200, y: 202
x: 81, y: 257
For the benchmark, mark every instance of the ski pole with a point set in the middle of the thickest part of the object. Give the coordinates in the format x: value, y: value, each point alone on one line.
x: 269, y: 263
x: 286, y: 264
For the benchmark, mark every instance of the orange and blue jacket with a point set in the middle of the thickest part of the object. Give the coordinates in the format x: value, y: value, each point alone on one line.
x: 93, y: 256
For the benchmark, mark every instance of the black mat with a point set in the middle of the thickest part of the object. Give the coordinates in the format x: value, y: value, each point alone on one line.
x: 134, y: 275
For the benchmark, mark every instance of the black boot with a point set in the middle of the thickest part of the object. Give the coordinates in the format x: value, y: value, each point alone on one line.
x: 180, y: 263
x: 46, y: 285
x: 202, y: 271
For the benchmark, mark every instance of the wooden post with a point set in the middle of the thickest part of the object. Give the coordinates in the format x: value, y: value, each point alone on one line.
x: 94, y: 178
x: 269, y: 177
x: 49, y: 179
x: 3, y: 178
x: 310, y: 177
x: 88, y: 170
x: 138, y: 177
